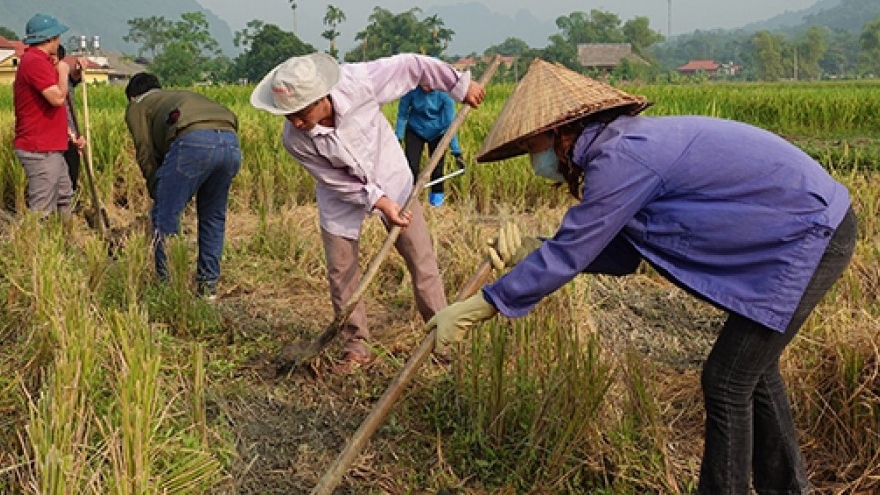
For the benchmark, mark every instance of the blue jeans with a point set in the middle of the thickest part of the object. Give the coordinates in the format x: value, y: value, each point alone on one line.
x: 749, y: 425
x: 201, y: 163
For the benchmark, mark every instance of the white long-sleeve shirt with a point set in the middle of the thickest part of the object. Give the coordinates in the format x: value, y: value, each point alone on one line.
x: 360, y: 160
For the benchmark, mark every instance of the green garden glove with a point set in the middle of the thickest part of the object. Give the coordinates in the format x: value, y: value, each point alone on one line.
x: 510, y: 247
x: 453, y: 321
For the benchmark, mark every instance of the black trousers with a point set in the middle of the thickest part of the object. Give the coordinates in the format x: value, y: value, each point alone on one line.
x: 750, y: 433
x: 413, y: 145
x: 73, y: 158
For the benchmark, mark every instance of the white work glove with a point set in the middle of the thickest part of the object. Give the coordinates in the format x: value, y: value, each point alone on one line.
x: 453, y: 321
x: 510, y: 247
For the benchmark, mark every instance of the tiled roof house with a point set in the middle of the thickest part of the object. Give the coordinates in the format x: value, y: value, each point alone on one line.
x: 606, y: 56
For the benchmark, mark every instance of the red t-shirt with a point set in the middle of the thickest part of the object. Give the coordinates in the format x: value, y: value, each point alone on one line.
x: 39, y: 126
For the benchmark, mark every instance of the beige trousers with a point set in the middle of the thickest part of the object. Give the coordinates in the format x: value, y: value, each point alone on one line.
x: 343, y: 274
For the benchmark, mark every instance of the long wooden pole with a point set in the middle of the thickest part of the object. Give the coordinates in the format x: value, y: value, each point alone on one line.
x: 355, y: 445
x: 102, y: 221
x: 287, y: 361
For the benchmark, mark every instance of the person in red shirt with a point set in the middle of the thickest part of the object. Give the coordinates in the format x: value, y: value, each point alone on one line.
x: 76, y: 141
x: 39, y: 94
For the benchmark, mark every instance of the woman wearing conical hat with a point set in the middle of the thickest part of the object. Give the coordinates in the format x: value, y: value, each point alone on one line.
x: 731, y: 213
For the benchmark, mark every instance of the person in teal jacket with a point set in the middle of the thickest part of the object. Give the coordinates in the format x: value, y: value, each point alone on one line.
x: 423, y: 116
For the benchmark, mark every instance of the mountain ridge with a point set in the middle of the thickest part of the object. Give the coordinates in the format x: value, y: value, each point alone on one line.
x: 476, y: 27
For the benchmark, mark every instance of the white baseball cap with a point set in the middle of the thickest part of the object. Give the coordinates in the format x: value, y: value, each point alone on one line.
x: 296, y: 83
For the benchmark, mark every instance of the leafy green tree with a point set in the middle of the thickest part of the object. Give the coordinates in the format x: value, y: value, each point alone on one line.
x: 8, y: 33
x: 870, y: 45
x: 511, y: 47
x: 332, y: 18
x: 217, y: 69
x: 389, y: 34
x: 174, y: 65
x: 625, y: 70
x: 193, y: 29
x: 561, y: 51
x: 440, y: 35
x: 842, y: 55
x: 638, y: 33
x: 243, y: 38
x: 151, y: 33
x: 635, y: 71
x: 595, y: 27
x: 810, y: 52
x: 768, y: 50
x: 184, y: 49
x: 266, y: 45
x: 715, y: 45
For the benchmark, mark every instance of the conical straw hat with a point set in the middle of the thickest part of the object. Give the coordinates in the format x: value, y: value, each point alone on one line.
x: 547, y: 96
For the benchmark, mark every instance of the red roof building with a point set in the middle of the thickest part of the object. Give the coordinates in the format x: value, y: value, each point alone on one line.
x: 17, y: 47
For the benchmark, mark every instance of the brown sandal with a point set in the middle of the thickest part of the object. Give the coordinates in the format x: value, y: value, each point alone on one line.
x: 350, y: 362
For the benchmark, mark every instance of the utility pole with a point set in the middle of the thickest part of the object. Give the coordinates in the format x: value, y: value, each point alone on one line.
x: 293, y: 9
x: 669, y: 22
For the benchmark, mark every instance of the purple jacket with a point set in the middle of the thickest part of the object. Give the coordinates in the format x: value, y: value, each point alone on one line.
x: 727, y: 211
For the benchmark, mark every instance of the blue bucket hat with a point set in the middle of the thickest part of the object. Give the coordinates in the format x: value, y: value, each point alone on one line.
x: 42, y: 27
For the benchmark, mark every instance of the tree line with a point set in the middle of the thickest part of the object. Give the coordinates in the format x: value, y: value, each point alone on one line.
x: 182, y: 52
x: 813, y: 53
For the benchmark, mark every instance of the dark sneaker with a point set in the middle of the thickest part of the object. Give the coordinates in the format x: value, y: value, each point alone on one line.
x: 207, y: 290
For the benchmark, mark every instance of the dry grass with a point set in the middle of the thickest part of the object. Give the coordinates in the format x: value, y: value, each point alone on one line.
x: 661, y: 332
x: 286, y: 431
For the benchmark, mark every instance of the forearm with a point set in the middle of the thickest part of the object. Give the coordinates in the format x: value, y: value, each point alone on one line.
x: 454, y: 145
x: 393, y: 77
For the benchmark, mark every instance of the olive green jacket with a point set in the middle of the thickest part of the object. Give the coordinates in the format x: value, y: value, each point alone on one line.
x: 158, y: 117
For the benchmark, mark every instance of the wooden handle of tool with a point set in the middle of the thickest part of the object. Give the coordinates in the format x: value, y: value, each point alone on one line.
x: 323, y: 340
x: 103, y: 223
x: 380, y: 410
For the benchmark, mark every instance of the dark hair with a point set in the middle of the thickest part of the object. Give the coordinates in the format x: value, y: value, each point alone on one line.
x: 140, y: 83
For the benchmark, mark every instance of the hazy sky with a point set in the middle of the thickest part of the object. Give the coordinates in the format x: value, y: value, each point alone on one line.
x: 687, y: 15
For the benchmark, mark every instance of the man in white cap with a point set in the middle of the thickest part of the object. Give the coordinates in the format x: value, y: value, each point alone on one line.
x: 39, y: 95
x: 335, y: 128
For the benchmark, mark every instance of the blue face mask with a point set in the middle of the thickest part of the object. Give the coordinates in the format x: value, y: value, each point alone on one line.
x: 546, y: 165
